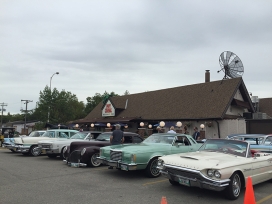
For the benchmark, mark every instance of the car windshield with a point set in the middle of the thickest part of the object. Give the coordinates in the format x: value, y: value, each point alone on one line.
x: 80, y: 135
x: 159, y: 138
x: 104, y: 137
x: 235, y: 147
x: 36, y: 134
x: 250, y: 140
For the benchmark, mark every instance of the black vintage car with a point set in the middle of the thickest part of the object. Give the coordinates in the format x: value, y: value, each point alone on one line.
x: 84, y: 153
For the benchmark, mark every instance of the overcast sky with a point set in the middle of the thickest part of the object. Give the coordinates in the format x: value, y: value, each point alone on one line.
x: 114, y: 45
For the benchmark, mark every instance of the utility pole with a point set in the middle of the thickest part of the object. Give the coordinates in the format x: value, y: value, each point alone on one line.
x: 26, y: 102
x: 2, y: 109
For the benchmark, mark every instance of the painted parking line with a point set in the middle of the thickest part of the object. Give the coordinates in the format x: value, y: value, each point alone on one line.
x: 154, y: 182
x: 264, y: 199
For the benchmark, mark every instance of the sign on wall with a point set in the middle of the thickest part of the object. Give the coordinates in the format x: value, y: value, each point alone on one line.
x: 108, y: 110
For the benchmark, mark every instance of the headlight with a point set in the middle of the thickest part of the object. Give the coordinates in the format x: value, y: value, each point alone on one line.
x: 133, y: 158
x: 83, y: 151
x: 217, y: 174
x: 160, y: 162
x: 210, y: 172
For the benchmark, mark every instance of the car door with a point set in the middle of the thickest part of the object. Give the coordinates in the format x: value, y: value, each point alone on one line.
x: 261, y: 168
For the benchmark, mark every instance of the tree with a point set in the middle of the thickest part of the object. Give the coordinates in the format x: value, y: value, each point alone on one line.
x: 63, y: 106
x: 126, y: 92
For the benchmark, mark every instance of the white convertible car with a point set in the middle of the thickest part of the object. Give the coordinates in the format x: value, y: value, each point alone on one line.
x: 219, y: 165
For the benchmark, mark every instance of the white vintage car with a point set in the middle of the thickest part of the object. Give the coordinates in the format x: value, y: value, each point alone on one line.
x: 54, y: 148
x: 219, y: 165
x: 29, y: 145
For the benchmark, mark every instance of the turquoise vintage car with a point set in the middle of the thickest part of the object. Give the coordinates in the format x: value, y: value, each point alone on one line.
x: 144, y: 155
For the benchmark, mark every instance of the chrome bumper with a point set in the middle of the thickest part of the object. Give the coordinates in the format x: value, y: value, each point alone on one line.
x: 117, y: 164
x: 199, y: 180
x: 21, y: 148
x: 50, y: 151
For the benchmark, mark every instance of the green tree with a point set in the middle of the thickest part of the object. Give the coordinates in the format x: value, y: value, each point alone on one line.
x: 126, y: 92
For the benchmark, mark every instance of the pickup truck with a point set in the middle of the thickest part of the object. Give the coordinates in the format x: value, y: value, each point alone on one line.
x: 144, y: 156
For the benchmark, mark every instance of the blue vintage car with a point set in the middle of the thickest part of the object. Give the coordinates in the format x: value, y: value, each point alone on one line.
x: 258, y: 142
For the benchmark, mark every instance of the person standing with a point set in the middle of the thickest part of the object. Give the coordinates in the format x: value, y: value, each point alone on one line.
x: 117, y: 137
x: 196, y: 134
x: 186, y: 132
x: 171, y: 130
x: 159, y: 129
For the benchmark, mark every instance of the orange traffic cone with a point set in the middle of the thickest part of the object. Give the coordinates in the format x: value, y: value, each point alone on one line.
x: 249, y: 194
x: 163, y: 200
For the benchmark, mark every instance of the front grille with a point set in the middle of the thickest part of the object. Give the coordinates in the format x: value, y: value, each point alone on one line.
x: 184, y: 173
x: 116, y: 155
x: 74, y: 157
x: 45, y: 146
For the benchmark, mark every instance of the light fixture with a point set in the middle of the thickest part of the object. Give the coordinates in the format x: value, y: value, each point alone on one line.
x: 126, y: 126
x: 108, y: 125
x: 141, y: 124
x: 162, y: 124
x: 202, y: 126
x: 150, y: 126
x: 179, y: 124
x: 59, y: 126
x: 76, y: 125
x: 92, y: 125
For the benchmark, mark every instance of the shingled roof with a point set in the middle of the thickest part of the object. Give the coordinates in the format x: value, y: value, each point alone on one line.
x: 209, y: 100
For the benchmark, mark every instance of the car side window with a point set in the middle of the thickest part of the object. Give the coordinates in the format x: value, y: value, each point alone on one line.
x: 128, y: 139
x: 63, y: 135
x: 183, y: 140
x: 52, y: 134
x: 71, y: 133
x: 137, y: 139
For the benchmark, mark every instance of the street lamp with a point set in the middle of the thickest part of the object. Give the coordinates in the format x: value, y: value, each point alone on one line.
x: 162, y: 124
x: 202, y: 126
x: 141, y: 124
x: 50, y: 96
x: 59, y: 126
x: 92, y: 125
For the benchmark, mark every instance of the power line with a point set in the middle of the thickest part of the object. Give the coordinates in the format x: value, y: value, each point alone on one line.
x: 2, y: 109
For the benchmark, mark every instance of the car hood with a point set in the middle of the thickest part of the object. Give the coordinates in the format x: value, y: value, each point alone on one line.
x: 202, y: 160
x: 140, y: 147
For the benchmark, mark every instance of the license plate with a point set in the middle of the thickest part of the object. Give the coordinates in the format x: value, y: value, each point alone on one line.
x: 124, y: 167
x: 184, y: 182
x: 43, y: 151
x: 74, y: 165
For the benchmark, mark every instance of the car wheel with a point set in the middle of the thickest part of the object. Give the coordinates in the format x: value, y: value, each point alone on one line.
x: 93, y: 162
x: 233, y: 190
x: 63, y: 151
x: 174, y: 183
x: 35, y: 150
x: 51, y: 155
x: 151, y: 169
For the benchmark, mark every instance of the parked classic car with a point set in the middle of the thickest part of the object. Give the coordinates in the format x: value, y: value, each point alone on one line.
x: 84, y: 153
x: 219, y: 165
x: 29, y: 145
x: 145, y: 155
x: 9, y: 142
x: 54, y: 148
x: 261, y: 143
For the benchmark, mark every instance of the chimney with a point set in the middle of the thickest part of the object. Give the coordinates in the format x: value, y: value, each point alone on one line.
x: 207, y: 76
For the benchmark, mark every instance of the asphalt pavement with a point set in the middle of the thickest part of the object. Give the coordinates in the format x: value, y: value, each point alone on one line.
x: 26, y: 179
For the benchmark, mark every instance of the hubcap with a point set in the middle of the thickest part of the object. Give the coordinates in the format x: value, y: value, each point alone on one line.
x: 236, y: 185
x: 94, y: 161
x: 153, y: 168
x: 36, y: 151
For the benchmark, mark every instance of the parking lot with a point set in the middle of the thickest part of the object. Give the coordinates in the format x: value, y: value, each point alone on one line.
x: 26, y: 179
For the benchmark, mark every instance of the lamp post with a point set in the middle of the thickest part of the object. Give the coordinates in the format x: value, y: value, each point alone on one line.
x: 162, y: 124
x: 50, y: 96
x: 149, y: 130
x: 92, y: 125
x: 59, y: 126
